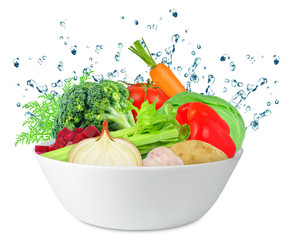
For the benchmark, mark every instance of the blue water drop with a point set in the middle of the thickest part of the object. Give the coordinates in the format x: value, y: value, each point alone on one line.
x: 117, y: 57
x: 110, y: 75
x: 63, y: 24
x: 53, y: 92
x: 98, y: 48
x: 59, y: 83
x: 198, y: 46
x: 276, y: 101
x: 122, y: 17
x: 28, y: 114
x: 120, y: 45
x: 60, y: 66
x: 42, y: 89
x: 74, y: 50
x: 115, y: 73
x: 31, y: 83
x: 224, y: 89
x: 136, y: 22
x: 276, y: 59
x: 18, y: 104
x: 179, y: 69
x: 268, y: 103
x: 232, y: 66
x: 16, y: 62
x: 53, y: 84
x: 226, y: 80
x: 193, y: 53
x: 233, y: 83
x: 188, y: 86
x: 123, y: 70
x: 174, y: 12
x: 262, y: 81
x: 139, y: 79
x: 211, y: 79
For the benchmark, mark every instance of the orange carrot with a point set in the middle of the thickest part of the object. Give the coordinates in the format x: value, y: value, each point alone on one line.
x: 161, y: 75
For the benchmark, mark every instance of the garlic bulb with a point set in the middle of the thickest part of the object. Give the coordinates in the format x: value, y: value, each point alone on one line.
x: 106, y: 151
x: 161, y: 156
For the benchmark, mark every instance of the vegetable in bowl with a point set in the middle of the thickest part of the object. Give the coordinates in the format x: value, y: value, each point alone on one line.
x: 90, y: 103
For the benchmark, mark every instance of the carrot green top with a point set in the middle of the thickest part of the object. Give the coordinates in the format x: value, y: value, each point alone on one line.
x: 143, y: 53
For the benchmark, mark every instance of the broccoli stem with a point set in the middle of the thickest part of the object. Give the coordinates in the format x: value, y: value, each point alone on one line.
x: 119, y: 117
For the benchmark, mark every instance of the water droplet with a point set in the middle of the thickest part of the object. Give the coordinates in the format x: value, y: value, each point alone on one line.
x: 262, y: 81
x: 120, y: 45
x: 17, y: 84
x: 232, y: 66
x: 174, y: 12
x: 98, y: 48
x: 60, y: 66
x: 59, y: 83
x: 276, y: 59
x: 115, y: 73
x: 53, y: 92
x: 188, y: 86
x: 158, y: 54
x: 44, y: 58
x: 268, y: 103
x: 28, y: 114
x: 149, y: 26
x: 63, y: 24
x: 31, y: 83
x: 139, y: 79
x: 198, y: 46
x: 193, y: 53
x: 16, y: 62
x: 39, y: 61
x: 53, y: 84
x: 110, y: 75
x: 179, y: 69
x: 211, y: 79
x: 65, y: 42
x: 122, y: 17
x: 117, y: 57
x: 61, y: 37
x: 248, y: 108
x: 276, y: 81
x: 248, y: 56
x: 123, y: 70
x: 224, y: 89
x: 42, y: 89
x: 136, y: 22
x: 240, y: 84
x: 233, y: 83
x: 98, y: 78
x: 74, y: 50
x: 226, y: 80
x: 18, y: 104
x: 276, y: 101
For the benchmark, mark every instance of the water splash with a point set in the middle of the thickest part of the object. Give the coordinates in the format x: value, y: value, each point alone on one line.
x: 190, y: 73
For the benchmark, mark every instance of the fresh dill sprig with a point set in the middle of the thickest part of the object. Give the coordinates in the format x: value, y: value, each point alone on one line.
x: 44, y: 111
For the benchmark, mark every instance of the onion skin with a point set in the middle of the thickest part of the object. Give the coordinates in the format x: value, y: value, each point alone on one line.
x: 105, y: 151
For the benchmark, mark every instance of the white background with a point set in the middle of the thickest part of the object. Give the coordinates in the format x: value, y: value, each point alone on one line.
x: 256, y: 201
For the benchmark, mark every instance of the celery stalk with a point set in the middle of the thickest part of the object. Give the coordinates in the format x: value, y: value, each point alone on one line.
x: 60, y: 154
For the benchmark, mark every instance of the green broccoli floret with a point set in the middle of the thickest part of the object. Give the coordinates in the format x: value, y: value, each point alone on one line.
x: 89, y: 103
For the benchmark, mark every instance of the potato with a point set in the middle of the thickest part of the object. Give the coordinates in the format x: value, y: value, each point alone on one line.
x: 195, y: 151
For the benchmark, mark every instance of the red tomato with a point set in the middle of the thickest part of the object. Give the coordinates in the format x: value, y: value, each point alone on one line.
x: 137, y: 93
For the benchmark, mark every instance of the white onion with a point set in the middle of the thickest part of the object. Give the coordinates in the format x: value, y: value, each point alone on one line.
x: 105, y: 151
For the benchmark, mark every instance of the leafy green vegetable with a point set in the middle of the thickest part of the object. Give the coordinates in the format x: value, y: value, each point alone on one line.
x: 44, y: 111
x: 89, y: 103
x: 225, y: 110
x: 154, y: 129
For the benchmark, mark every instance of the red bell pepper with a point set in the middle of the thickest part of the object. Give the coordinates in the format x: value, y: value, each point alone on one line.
x: 207, y: 126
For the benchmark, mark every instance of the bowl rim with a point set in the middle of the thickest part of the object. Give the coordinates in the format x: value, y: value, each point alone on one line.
x: 237, y: 156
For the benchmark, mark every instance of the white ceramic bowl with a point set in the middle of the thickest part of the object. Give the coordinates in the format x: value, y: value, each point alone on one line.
x: 137, y: 198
